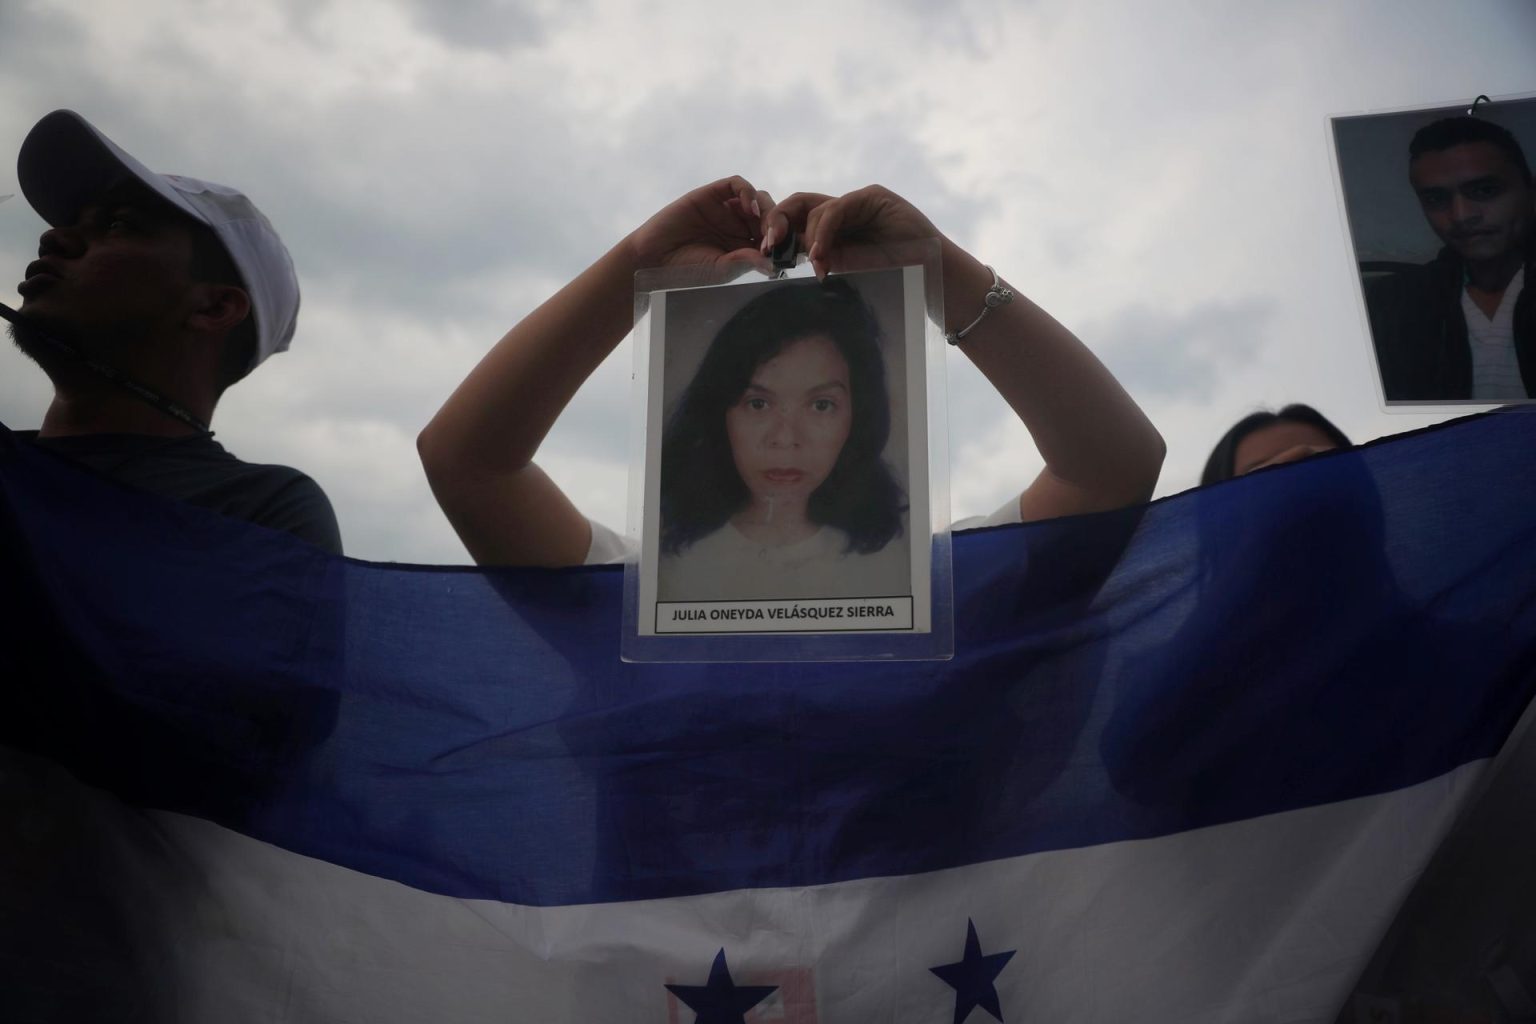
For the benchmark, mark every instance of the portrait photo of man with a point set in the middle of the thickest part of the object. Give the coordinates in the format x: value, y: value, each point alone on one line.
x: 1454, y: 325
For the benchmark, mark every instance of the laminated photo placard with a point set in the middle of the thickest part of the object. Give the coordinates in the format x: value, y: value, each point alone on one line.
x: 1442, y: 221
x: 785, y: 506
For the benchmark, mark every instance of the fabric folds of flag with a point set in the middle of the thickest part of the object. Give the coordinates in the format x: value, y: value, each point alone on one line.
x: 1186, y: 765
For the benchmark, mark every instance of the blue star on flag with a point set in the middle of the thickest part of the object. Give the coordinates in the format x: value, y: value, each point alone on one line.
x: 973, y: 977
x: 721, y: 1001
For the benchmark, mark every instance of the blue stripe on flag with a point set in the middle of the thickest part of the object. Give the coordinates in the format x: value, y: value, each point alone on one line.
x: 1347, y: 626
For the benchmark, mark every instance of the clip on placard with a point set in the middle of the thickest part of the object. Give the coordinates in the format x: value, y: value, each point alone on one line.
x: 1472, y: 110
x: 783, y: 255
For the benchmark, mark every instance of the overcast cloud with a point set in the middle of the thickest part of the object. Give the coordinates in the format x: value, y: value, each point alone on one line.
x: 1158, y: 176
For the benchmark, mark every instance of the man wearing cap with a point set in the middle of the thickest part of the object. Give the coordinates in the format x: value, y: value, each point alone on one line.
x: 151, y: 294
x: 1462, y: 326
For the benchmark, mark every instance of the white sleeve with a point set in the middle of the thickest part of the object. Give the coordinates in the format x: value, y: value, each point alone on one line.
x: 608, y: 546
x: 1008, y: 513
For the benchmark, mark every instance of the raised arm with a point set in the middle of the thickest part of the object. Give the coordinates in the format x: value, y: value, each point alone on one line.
x: 1100, y: 450
x: 478, y: 450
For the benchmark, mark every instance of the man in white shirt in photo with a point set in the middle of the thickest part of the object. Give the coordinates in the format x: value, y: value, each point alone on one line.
x: 1460, y: 327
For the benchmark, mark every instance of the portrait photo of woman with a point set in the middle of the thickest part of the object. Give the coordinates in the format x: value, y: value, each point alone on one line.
x: 781, y: 476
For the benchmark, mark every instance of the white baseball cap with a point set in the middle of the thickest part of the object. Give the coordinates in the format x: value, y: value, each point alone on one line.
x: 65, y: 164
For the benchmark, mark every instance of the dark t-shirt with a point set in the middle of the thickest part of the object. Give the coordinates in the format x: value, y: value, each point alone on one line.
x: 196, y: 469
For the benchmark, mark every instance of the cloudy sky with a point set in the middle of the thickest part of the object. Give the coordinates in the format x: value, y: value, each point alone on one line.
x: 1156, y: 175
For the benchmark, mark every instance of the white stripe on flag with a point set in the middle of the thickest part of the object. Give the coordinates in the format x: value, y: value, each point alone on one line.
x: 1269, y: 919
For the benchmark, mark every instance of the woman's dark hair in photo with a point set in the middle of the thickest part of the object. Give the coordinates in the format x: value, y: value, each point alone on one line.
x: 1221, y: 465
x: 700, y: 487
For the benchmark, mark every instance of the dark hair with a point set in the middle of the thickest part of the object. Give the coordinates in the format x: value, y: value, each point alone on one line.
x: 1220, y: 466
x: 211, y: 264
x: 1460, y: 130
x: 700, y: 487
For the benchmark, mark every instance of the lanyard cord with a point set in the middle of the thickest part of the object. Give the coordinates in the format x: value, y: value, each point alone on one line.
x: 145, y: 394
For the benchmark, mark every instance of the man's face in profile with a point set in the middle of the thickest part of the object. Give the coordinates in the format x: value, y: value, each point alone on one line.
x: 120, y: 271
x: 1474, y: 198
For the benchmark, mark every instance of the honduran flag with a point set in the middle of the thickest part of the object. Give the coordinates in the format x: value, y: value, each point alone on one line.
x: 1189, y: 763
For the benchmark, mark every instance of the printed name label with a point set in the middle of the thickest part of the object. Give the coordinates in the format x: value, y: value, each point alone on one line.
x: 824, y: 615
